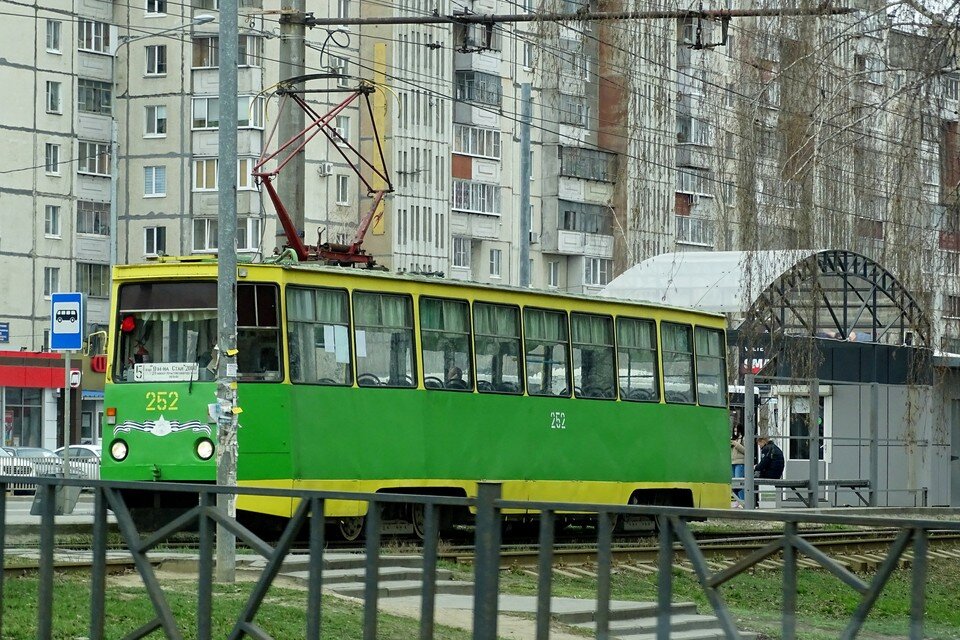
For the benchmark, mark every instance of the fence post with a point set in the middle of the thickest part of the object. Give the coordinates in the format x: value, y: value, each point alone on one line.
x: 813, y: 501
x: 749, y: 440
x: 664, y: 578
x: 487, y: 569
x: 874, y: 443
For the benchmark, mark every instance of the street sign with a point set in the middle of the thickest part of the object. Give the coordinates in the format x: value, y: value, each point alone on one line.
x: 4, y: 332
x: 66, y: 322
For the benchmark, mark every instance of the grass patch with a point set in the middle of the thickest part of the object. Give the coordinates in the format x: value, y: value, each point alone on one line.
x: 824, y: 604
x: 128, y: 607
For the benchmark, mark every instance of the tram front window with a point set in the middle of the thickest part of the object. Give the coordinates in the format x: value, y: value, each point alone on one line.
x: 167, y: 332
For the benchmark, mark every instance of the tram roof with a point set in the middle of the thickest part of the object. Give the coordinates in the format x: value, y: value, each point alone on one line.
x: 134, y: 271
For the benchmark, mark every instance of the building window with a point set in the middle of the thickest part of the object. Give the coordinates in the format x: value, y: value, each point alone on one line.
x: 553, y: 274
x: 343, y: 129
x: 248, y: 234
x: 343, y: 8
x: 476, y: 197
x: 474, y: 86
x: 340, y: 67
x: 154, y: 182
x: 574, y: 110
x: 53, y: 36
x: 51, y: 281
x: 93, y: 279
x: 951, y: 306
x: 249, y: 51
x: 52, y: 159
x: 205, y: 174
x: 343, y: 189
x: 155, y: 241
x: 529, y: 54
x: 596, y: 271
x: 156, y: 121
x: 495, y: 256
x: 156, y: 59
x: 93, y: 217
x: 245, y: 181
x: 461, y: 252
x: 206, y: 112
x: 205, y: 234
x: 474, y: 141
x: 93, y: 36
x: 206, y: 53
x: 51, y: 221
x: 94, y: 158
x: 94, y: 96
x: 54, y: 102
x: 156, y: 7
x: 587, y: 164
x: 585, y: 218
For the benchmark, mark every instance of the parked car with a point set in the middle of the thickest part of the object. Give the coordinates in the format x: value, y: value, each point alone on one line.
x: 11, y: 465
x: 45, y: 462
x: 84, y: 460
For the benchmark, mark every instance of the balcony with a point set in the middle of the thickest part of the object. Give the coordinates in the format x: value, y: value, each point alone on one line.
x: 693, y: 230
x: 578, y: 243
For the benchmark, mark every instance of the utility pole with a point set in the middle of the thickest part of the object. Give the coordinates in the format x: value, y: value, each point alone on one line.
x: 227, y: 289
x: 292, y: 64
x: 525, y: 170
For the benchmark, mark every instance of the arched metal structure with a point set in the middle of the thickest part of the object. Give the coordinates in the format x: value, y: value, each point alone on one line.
x: 840, y: 295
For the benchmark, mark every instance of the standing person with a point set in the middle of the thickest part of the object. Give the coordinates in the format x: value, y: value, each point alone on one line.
x: 771, y: 460
x: 737, y: 461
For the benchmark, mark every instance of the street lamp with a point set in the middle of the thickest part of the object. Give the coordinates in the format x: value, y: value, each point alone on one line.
x: 203, y: 18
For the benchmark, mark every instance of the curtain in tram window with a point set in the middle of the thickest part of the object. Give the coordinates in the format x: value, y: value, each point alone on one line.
x: 543, y: 326
x: 300, y: 305
x: 635, y: 333
x: 376, y: 310
x: 178, y: 316
x: 708, y: 343
x: 332, y: 307
x: 591, y: 329
x: 676, y: 338
x: 444, y: 315
x: 495, y: 320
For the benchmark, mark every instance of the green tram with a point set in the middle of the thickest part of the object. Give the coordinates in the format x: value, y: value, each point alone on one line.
x: 356, y: 380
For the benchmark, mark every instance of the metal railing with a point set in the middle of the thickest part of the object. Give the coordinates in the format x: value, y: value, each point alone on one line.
x: 674, y: 536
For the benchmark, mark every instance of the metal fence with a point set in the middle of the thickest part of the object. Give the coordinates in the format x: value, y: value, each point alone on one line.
x: 674, y: 536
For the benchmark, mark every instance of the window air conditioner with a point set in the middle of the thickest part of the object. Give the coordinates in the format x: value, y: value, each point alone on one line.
x: 534, y: 237
x: 325, y: 169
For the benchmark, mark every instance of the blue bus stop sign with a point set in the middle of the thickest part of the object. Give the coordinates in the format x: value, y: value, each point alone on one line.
x: 66, y: 322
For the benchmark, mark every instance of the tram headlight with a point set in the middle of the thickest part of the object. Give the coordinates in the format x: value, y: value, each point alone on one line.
x: 119, y: 450
x: 204, y: 449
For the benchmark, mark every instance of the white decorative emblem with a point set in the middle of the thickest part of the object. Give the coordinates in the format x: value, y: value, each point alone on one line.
x: 162, y: 427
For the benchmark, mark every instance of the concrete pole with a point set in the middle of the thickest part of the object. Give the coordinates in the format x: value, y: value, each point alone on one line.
x: 114, y: 177
x: 874, y: 444
x: 227, y: 287
x: 749, y: 440
x: 291, y: 120
x: 525, y: 170
x: 814, y: 434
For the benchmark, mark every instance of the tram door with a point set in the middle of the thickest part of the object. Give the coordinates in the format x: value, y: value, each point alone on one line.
x: 955, y: 453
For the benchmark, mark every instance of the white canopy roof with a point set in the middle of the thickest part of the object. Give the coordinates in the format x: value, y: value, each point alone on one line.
x: 720, y: 281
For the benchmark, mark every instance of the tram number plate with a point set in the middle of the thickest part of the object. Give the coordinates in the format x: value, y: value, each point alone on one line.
x: 558, y: 420
x: 162, y: 400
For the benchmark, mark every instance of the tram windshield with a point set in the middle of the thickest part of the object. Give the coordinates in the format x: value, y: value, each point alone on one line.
x: 167, y: 332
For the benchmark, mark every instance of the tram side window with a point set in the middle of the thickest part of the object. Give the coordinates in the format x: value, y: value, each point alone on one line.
x: 711, y: 368
x: 318, y: 333
x: 593, y: 370
x: 258, y: 333
x: 383, y: 330
x: 545, y: 335
x: 445, y: 341
x: 497, y: 345
x: 637, y: 359
x: 677, y: 362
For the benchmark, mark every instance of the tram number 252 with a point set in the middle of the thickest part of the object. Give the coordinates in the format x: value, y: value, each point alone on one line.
x: 162, y: 400
x: 558, y: 420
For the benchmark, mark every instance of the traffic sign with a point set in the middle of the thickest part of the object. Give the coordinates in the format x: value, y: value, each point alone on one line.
x: 66, y: 322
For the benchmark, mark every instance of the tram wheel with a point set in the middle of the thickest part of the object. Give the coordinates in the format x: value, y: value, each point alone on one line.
x: 417, y: 518
x: 350, y: 528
